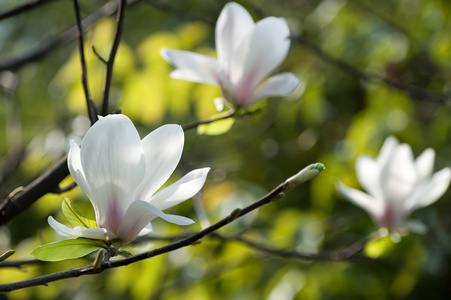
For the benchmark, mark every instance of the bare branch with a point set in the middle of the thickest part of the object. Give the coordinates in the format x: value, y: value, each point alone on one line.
x: 22, y: 8
x: 64, y: 37
x: 237, y: 213
x: 92, y: 114
x: 348, y: 254
x: 227, y: 115
x: 110, y: 61
x: 46, y: 183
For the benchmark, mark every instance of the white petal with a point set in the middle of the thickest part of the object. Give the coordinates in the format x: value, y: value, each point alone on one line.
x: 387, y: 149
x: 368, y: 173
x: 259, y: 55
x: 76, y: 170
x: 146, y: 230
x: 113, y: 162
x: 279, y: 85
x: 233, y: 25
x: 163, y: 148
x: 181, y: 190
x: 79, y: 231
x: 371, y: 205
x: 219, y: 103
x: 424, y: 164
x: 430, y: 193
x: 139, y: 215
x: 191, y: 66
x: 398, y: 175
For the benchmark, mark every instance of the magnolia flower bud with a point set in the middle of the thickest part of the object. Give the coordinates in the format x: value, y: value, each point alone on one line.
x: 309, y: 172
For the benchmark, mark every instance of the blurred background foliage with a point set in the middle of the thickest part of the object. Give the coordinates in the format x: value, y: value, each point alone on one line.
x: 345, y: 52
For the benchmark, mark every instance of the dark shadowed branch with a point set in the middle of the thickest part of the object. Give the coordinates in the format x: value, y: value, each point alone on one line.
x: 92, y: 114
x: 46, y: 47
x: 235, y: 214
x: 22, y: 8
x: 110, y: 61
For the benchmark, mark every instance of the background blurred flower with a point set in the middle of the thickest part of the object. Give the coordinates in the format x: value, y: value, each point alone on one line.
x: 396, y: 184
x: 247, y: 53
x: 120, y: 174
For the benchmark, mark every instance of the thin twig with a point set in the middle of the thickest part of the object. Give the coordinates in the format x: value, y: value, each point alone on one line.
x: 22, y: 8
x: 110, y: 61
x: 229, y: 114
x: 92, y: 114
x: 237, y: 213
x: 46, y: 47
x: 348, y: 254
x: 98, y: 55
x: 20, y: 263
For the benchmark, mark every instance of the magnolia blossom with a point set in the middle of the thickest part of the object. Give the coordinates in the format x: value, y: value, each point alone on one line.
x: 247, y: 53
x: 396, y: 184
x: 121, y: 174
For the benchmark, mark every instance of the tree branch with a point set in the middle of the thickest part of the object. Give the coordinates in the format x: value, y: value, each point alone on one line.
x: 237, y: 213
x: 110, y: 61
x: 64, y: 37
x: 348, y: 254
x: 22, y: 8
x: 46, y: 183
x: 92, y: 114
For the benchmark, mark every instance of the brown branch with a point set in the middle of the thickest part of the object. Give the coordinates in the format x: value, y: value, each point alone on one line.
x: 22, y: 8
x: 229, y: 114
x: 92, y: 114
x: 89, y: 270
x: 348, y: 254
x: 46, y: 183
x: 110, y: 61
x: 46, y: 47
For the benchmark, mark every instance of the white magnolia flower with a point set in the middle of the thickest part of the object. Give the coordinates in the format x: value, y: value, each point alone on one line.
x: 247, y: 53
x: 396, y: 184
x: 120, y: 174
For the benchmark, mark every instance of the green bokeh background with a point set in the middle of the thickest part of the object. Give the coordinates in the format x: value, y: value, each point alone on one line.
x: 333, y: 117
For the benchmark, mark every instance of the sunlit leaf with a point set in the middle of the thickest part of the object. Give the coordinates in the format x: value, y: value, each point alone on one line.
x: 67, y: 249
x: 74, y: 216
x: 216, y: 128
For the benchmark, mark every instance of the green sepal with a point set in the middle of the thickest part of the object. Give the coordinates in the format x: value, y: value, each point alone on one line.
x: 67, y: 249
x: 74, y: 216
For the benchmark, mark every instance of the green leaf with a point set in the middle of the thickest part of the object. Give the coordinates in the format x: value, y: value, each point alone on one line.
x: 66, y: 249
x: 74, y: 216
x: 216, y: 127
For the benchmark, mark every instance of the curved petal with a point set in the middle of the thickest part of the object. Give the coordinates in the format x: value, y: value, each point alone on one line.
x: 389, y: 146
x: 79, y: 231
x: 191, y: 66
x: 233, y: 25
x: 398, y: 175
x: 146, y: 230
x: 181, y: 190
x: 163, y: 148
x: 430, y: 193
x: 371, y: 205
x: 259, y: 54
x: 424, y: 164
x: 278, y: 85
x: 113, y: 162
x: 368, y: 173
x: 139, y: 215
x: 76, y: 170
